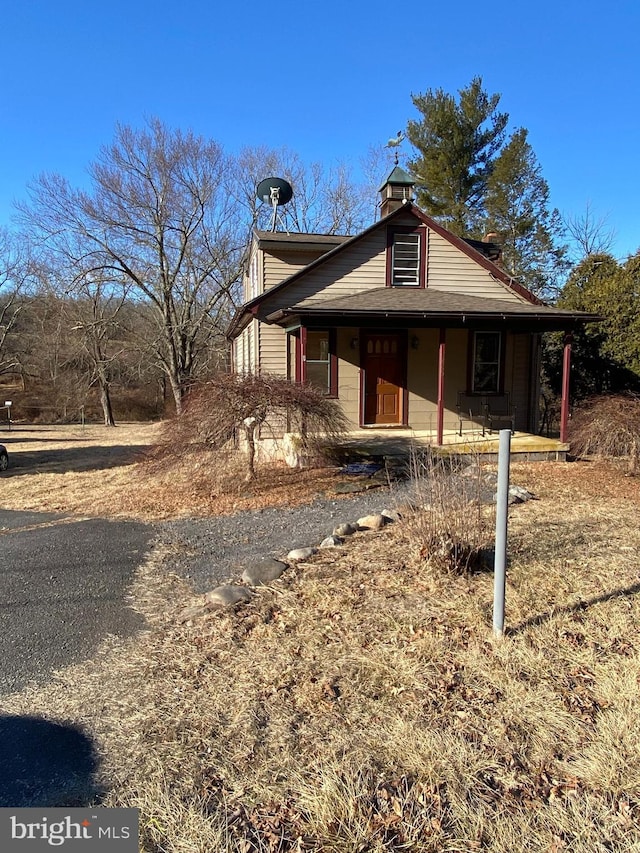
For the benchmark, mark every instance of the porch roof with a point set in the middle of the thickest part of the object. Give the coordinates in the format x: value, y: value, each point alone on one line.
x: 428, y: 307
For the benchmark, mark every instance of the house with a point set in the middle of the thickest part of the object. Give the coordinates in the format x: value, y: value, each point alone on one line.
x: 406, y: 324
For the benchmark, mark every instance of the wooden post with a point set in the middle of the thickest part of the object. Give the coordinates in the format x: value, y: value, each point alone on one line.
x: 566, y: 371
x: 441, y: 354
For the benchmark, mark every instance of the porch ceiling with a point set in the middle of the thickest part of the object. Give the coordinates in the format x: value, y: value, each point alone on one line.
x: 427, y: 307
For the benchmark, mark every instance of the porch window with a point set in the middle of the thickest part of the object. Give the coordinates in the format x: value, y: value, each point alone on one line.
x: 405, y: 258
x: 320, y: 362
x: 485, y: 373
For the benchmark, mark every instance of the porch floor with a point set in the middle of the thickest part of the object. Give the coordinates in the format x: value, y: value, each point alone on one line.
x: 398, y: 442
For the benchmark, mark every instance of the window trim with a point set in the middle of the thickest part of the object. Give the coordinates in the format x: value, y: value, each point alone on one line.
x: 422, y: 242
x: 471, y: 371
x: 301, y: 365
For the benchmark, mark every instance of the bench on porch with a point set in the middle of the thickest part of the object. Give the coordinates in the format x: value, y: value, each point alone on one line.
x: 490, y: 411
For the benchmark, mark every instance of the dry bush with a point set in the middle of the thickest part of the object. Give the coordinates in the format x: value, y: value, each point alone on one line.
x: 219, y: 411
x: 609, y: 427
x: 450, y: 524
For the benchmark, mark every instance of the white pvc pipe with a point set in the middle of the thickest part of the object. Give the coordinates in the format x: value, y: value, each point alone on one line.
x: 502, y: 517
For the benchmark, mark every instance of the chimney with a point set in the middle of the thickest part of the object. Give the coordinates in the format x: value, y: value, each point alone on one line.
x: 494, y: 247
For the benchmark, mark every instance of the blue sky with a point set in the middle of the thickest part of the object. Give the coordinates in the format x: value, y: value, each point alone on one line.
x: 328, y: 80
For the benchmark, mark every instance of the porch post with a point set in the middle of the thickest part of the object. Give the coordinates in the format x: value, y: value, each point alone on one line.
x: 441, y: 354
x: 566, y: 371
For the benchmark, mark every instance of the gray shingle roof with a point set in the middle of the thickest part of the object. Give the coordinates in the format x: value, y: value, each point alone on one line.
x: 429, y: 304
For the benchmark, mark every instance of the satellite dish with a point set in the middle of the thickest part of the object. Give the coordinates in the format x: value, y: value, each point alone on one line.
x: 276, y: 192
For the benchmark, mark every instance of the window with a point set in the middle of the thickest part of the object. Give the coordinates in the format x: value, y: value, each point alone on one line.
x: 486, y: 374
x: 320, y: 363
x: 405, y: 257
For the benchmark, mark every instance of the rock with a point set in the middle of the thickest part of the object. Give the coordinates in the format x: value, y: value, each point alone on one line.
x: 263, y: 571
x: 346, y: 529
x: 521, y: 493
x: 332, y: 541
x: 517, y: 495
x: 372, y: 522
x: 293, y: 448
x: 391, y: 514
x: 301, y: 554
x: 228, y: 595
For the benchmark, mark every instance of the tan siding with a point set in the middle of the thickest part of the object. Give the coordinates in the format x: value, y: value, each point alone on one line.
x: 360, y: 268
x: 422, y: 378
x: 273, y: 350
x: 520, y: 370
x: 349, y: 374
x: 451, y: 270
x: 277, y: 267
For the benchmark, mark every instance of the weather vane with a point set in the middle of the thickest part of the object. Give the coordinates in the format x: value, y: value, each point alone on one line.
x: 395, y: 143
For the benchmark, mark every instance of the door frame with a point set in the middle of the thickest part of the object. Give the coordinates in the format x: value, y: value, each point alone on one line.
x: 402, y: 336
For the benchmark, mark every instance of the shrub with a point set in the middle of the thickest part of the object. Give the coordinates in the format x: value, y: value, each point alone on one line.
x: 218, y: 411
x: 451, y: 524
x: 609, y: 427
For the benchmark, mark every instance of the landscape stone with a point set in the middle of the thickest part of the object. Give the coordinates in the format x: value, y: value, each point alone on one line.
x: 301, y: 554
x: 228, y: 595
x: 332, y: 541
x: 346, y: 529
x: 391, y: 514
x: 263, y: 571
x: 372, y: 522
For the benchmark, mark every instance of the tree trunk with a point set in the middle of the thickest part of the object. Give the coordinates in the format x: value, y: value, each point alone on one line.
x: 105, y: 402
x: 250, y: 425
x: 176, y: 391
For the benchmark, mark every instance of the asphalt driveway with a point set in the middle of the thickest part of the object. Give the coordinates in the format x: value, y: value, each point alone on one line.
x: 63, y: 584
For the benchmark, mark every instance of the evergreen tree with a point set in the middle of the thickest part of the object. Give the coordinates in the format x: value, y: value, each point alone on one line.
x: 475, y: 181
x: 517, y: 209
x: 606, y: 355
x: 456, y: 142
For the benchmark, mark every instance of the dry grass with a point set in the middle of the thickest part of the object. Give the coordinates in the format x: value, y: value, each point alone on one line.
x: 361, y: 704
x: 98, y: 471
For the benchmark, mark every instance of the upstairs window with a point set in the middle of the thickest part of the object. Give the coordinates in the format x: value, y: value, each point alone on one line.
x: 486, y: 372
x: 405, y: 258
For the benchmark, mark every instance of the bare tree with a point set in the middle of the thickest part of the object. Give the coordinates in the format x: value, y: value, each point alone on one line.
x: 589, y: 233
x: 157, y: 220
x: 14, y: 271
x: 94, y: 315
x: 325, y: 200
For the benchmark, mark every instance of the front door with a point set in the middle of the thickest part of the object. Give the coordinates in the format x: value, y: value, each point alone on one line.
x: 384, y: 366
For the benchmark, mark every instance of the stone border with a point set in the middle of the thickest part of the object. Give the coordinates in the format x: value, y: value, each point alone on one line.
x: 265, y: 570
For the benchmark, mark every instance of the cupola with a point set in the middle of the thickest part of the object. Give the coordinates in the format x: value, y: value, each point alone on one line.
x: 396, y: 191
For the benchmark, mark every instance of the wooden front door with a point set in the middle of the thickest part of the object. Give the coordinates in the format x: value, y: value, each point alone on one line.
x: 384, y: 366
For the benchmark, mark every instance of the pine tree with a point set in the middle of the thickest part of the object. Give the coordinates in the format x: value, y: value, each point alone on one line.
x: 474, y: 181
x: 456, y: 142
x: 517, y: 210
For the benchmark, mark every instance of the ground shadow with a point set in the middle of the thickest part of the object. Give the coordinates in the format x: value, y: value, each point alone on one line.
x: 94, y: 458
x: 576, y: 607
x: 45, y: 764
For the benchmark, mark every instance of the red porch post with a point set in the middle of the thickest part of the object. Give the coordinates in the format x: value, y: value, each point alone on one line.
x: 441, y: 354
x: 566, y: 370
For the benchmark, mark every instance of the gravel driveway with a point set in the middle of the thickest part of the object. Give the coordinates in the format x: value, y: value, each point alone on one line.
x: 213, y: 550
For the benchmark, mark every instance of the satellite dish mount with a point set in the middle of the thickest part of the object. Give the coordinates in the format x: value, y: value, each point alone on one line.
x: 276, y: 192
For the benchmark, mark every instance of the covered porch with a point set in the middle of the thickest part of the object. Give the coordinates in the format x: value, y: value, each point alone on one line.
x: 399, y: 442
